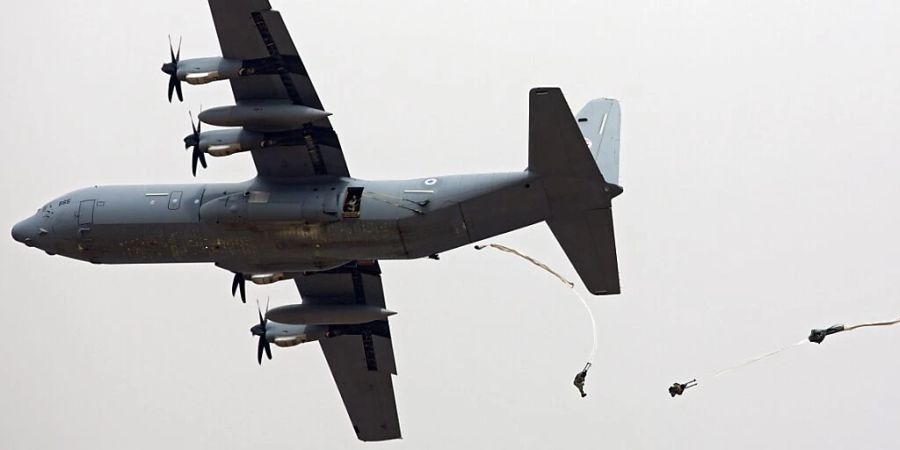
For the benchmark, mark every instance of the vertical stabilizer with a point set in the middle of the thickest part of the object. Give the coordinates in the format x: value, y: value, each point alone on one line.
x: 600, y: 121
x: 579, y: 181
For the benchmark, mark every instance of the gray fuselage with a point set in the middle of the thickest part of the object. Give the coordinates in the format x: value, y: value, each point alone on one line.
x: 261, y: 226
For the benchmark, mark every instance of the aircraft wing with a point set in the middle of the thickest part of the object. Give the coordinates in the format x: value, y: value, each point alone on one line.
x: 250, y: 31
x: 361, y: 357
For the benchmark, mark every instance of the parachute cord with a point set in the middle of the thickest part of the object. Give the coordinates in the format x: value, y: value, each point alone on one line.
x: 773, y: 353
x: 873, y: 324
x: 562, y: 279
x: 593, y: 324
x: 758, y: 358
x: 387, y: 199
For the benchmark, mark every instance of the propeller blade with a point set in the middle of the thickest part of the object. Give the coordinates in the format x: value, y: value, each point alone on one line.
x: 171, y: 68
x: 194, y: 162
x: 239, y: 283
x: 260, y: 330
x: 172, y: 83
x: 177, y: 88
x: 262, y: 321
x: 202, y: 156
x: 260, y: 348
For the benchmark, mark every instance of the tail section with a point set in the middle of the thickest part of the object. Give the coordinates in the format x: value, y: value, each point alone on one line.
x: 578, y: 163
x: 556, y: 142
x: 590, y: 243
x: 599, y: 122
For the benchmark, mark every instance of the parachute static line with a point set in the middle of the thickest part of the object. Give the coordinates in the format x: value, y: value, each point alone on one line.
x: 757, y: 358
x: 506, y: 249
x: 816, y: 336
x: 395, y: 201
x: 562, y: 279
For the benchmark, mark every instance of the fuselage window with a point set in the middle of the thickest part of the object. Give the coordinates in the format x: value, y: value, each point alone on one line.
x: 175, y: 200
x: 352, y: 202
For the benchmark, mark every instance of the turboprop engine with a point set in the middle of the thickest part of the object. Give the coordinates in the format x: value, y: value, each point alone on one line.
x: 220, y: 143
x: 228, y: 142
x: 198, y: 70
x: 206, y: 70
x: 282, y: 335
x: 291, y: 325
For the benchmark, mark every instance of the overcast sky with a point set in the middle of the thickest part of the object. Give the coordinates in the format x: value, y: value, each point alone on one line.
x: 760, y: 161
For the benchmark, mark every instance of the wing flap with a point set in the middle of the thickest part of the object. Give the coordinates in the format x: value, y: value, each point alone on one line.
x: 235, y: 27
x: 368, y: 395
x: 250, y: 31
x: 361, y: 357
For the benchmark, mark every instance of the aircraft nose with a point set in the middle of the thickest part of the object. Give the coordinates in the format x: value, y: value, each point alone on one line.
x: 20, y: 232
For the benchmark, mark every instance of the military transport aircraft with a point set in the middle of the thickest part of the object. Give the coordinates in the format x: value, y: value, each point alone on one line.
x: 304, y: 218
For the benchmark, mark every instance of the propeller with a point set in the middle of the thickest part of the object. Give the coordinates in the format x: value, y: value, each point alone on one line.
x: 171, y: 68
x: 260, y: 330
x: 193, y: 140
x: 239, y: 282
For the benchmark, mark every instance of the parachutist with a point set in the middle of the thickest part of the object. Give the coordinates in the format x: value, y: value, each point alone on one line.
x: 479, y: 247
x: 579, y: 379
x: 678, y: 388
x: 818, y: 335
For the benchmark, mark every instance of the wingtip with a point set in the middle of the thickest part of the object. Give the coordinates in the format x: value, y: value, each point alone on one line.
x: 544, y: 90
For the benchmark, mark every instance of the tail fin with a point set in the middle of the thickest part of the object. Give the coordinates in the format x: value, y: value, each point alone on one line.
x: 599, y: 122
x: 556, y: 146
x: 579, y: 181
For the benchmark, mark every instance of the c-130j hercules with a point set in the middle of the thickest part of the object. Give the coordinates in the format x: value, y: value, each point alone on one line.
x: 303, y: 217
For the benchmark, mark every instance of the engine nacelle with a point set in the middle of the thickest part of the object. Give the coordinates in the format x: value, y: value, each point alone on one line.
x: 207, y: 70
x: 229, y: 142
x: 284, y: 335
x: 268, y: 278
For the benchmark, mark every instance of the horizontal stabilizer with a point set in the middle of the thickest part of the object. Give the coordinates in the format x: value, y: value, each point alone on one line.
x: 589, y: 242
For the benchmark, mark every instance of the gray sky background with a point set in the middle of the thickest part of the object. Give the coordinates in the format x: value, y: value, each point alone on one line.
x: 759, y: 161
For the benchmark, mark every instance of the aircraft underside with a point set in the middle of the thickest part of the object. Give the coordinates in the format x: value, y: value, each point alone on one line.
x: 257, y: 228
x: 304, y: 218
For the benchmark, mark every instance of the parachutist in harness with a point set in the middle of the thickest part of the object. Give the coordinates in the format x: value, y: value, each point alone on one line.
x: 579, y: 379
x: 678, y: 388
x: 818, y: 335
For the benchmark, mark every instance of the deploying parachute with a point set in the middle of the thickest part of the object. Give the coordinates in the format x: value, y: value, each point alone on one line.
x: 677, y: 389
x: 816, y: 335
x: 581, y: 376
